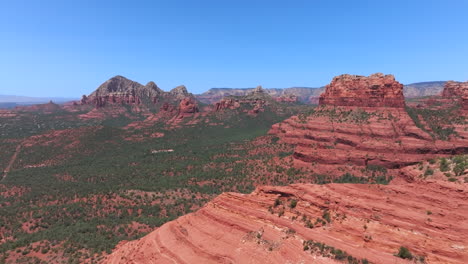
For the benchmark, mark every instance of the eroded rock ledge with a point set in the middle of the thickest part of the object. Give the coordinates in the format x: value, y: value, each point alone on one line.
x: 377, y: 90
x: 366, y: 221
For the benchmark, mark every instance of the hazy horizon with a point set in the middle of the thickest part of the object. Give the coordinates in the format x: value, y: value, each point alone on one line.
x: 64, y: 49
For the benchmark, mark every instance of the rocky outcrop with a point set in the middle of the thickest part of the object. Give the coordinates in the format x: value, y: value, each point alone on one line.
x: 305, y: 223
x: 120, y: 90
x: 377, y: 90
x: 455, y: 89
x: 188, y: 105
x: 359, y: 135
x: 226, y: 103
x: 286, y: 99
x: 180, y: 92
x: 258, y: 90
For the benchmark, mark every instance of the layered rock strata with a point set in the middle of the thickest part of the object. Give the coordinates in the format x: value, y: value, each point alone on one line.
x: 377, y: 90
x: 302, y: 223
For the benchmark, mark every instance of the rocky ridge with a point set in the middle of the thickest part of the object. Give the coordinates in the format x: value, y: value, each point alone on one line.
x: 310, y: 95
x: 120, y: 90
x: 303, y: 94
x: 305, y: 223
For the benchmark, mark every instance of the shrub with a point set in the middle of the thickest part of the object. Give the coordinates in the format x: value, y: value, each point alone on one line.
x: 404, y: 253
x: 326, y: 216
x: 277, y: 202
x: 444, y: 164
x: 459, y: 168
x: 428, y: 172
x: 293, y: 203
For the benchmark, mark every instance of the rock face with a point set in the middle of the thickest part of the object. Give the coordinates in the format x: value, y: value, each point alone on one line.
x: 339, y: 132
x: 377, y: 90
x: 188, y: 106
x: 386, y: 137
x: 428, y: 218
x: 180, y: 92
x: 120, y: 90
x: 286, y: 98
x: 226, y: 103
x: 455, y: 89
x: 459, y: 90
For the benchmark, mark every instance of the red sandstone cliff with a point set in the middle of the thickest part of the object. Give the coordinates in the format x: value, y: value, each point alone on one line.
x: 457, y: 89
x: 336, y: 135
x: 365, y: 221
x: 377, y: 90
x: 452, y: 88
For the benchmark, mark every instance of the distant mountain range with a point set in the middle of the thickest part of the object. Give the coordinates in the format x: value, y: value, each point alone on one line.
x: 423, y: 89
x: 304, y: 94
x: 11, y: 101
x: 310, y: 94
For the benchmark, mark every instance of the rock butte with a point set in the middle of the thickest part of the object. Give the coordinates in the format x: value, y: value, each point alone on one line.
x: 360, y: 135
x: 256, y: 99
x: 373, y: 224
x: 377, y: 90
x: 457, y: 89
x: 452, y: 88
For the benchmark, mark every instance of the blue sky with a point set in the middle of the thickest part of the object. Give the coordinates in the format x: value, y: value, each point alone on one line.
x: 68, y: 48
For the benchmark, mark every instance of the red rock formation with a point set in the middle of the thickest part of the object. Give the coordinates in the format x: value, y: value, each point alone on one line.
x: 239, y: 228
x: 377, y: 90
x: 166, y: 107
x: 253, y: 100
x: 457, y: 89
x: 120, y: 90
x: 188, y: 105
x: 386, y: 137
x: 286, y: 99
x: 226, y: 103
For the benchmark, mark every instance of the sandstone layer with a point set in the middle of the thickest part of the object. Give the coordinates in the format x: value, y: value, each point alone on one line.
x: 366, y: 221
x: 377, y: 90
x: 452, y: 88
x: 357, y: 136
x: 362, y: 122
x: 457, y: 89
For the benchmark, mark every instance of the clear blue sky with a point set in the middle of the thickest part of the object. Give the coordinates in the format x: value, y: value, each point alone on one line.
x: 68, y: 48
